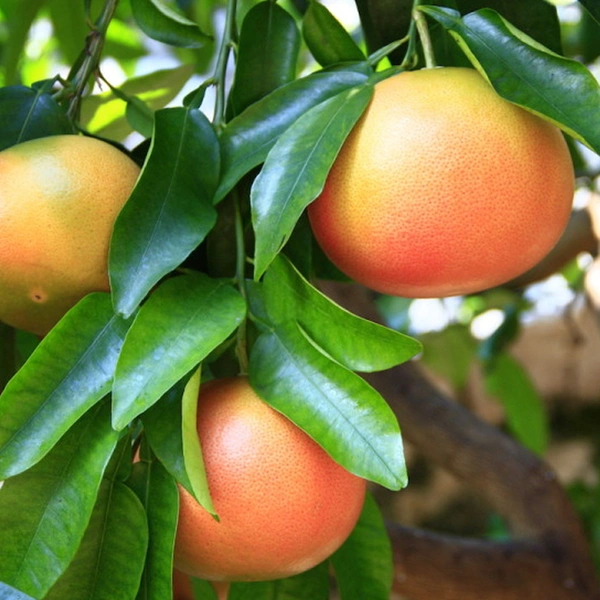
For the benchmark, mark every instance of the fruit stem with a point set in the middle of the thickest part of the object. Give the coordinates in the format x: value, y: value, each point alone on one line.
x: 89, y: 61
x: 220, y: 75
x: 423, y: 30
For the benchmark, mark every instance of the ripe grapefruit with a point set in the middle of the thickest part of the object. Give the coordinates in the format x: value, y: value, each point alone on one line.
x: 59, y: 198
x: 443, y: 188
x: 284, y: 505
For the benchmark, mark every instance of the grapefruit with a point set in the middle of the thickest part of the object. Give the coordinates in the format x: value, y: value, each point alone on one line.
x: 283, y: 504
x: 59, y: 198
x: 443, y: 188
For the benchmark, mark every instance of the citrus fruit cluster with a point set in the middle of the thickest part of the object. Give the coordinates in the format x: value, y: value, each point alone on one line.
x: 443, y: 188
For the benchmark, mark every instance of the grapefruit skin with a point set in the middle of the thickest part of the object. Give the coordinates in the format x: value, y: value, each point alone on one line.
x: 59, y: 198
x: 284, y: 505
x: 443, y: 188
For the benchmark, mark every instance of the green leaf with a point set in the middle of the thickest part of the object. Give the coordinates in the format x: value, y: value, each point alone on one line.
x: 336, y: 407
x: 44, y: 512
x: 160, y: 22
x: 364, y: 564
x: 326, y: 37
x: 267, y: 54
x: 184, y: 320
x: 69, y: 27
x: 110, y: 559
x: 170, y: 427
x: 508, y: 382
x: 26, y: 114
x: 67, y: 373
x: 593, y: 8
x: 8, y: 592
x: 170, y: 209
x: 526, y: 73
x: 247, y: 139
x: 158, y: 493
x: 296, y: 168
x: 356, y: 343
x: 313, y: 584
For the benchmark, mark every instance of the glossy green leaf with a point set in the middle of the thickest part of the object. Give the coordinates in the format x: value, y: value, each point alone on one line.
x: 170, y: 209
x: 161, y: 22
x: 68, y: 372
x: 8, y: 592
x: 336, y: 407
x: 158, y: 494
x: 26, y: 114
x: 326, y: 37
x: 526, y: 417
x: 296, y: 168
x: 247, y: 139
x: 44, y: 512
x: 267, y: 54
x: 364, y: 565
x: 356, y: 343
x: 313, y: 584
x: 110, y: 559
x: 170, y: 427
x: 184, y: 320
x: 524, y: 72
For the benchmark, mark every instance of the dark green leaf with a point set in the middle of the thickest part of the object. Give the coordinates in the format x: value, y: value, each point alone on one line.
x: 593, y: 7
x: 140, y: 117
x: 311, y: 585
x: 336, y: 407
x: 44, y: 512
x: 356, y: 343
x: 158, y: 493
x: 247, y: 139
x: 508, y: 382
x: 184, y: 320
x: 364, y: 564
x: 326, y: 37
x: 267, y: 54
x: 526, y: 73
x: 296, y: 168
x: 110, y: 559
x: 27, y: 114
x: 69, y: 27
x: 170, y: 426
x: 161, y: 22
x: 68, y: 372
x: 170, y: 209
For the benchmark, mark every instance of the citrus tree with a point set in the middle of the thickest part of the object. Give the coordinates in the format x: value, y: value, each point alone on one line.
x: 240, y: 202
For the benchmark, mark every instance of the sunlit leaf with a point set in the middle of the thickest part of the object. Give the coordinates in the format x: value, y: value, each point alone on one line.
x: 110, y: 559
x: 336, y: 407
x: 184, y: 320
x: 296, y: 168
x: 160, y: 21
x: 526, y: 73
x: 247, y: 139
x: 357, y: 343
x: 364, y: 564
x: 158, y: 493
x: 44, y: 512
x: 68, y: 372
x: 8, y: 592
x: 170, y: 209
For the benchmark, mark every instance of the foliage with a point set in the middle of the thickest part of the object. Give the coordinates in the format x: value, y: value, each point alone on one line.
x: 213, y: 268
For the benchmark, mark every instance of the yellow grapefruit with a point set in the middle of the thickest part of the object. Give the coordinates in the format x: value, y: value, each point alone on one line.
x: 284, y: 505
x: 59, y: 198
x: 443, y: 188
